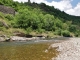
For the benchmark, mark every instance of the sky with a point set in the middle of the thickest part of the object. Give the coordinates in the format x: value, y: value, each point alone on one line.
x: 71, y: 7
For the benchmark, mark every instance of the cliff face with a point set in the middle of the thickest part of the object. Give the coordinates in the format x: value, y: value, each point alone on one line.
x: 7, y: 10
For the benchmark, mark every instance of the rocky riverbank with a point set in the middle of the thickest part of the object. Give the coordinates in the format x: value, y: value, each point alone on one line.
x: 69, y: 50
x: 18, y: 38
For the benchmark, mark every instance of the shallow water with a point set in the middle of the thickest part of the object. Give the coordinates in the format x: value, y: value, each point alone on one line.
x: 27, y: 50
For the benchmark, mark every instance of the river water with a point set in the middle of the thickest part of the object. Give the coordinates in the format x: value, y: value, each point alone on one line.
x: 28, y: 50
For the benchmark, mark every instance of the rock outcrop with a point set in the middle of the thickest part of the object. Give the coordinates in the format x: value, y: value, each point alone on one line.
x: 17, y: 38
x: 7, y: 10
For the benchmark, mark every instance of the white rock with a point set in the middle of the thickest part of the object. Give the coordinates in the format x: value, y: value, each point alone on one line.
x: 69, y: 50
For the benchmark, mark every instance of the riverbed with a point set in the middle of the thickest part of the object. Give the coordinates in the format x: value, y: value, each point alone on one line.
x: 29, y: 50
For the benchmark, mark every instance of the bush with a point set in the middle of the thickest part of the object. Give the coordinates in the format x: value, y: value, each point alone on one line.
x: 40, y: 30
x: 2, y: 29
x: 9, y: 17
x: 66, y: 33
x: 77, y: 34
x: 2, y: 15
x: 28, y: 30
x: 72, y: 28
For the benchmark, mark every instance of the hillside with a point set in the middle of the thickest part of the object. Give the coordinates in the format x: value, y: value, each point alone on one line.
x: 38, y: 19
x: 57, y: 13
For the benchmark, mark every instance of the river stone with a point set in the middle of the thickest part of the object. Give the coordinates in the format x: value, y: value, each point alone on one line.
x: 2, y: 39
x: 69, y: 50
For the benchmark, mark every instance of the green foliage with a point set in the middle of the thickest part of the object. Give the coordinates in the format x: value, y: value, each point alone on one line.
x: 29, y: 30
x: 66, y: 33
x: 58, y: 23
x: 41, y: 30
x: 41, y: 17
x: 65, y: 26
x: 2, y: 29
x: 2, y: 15
x: 1, y: 25
x: 48, y: 22
x: 72, y: 28
x: 9, y: 17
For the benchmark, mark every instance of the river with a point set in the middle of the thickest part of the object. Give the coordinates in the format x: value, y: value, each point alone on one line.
x: 28, y: 50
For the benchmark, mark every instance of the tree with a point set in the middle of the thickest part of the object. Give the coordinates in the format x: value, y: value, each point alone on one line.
x: 48, y: 22
x: 66, y: 33
x: 72, y: 28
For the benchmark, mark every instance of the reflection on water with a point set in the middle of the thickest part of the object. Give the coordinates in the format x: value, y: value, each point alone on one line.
x: 29, y: 50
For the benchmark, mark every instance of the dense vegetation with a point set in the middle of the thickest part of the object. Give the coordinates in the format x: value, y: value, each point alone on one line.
x: 33, y: 18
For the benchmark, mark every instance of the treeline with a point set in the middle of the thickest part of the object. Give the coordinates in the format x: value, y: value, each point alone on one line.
x: 41, y: 18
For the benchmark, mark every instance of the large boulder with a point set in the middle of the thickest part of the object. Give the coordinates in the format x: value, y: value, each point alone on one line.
x: 2, y: 38
x: 7, y: 10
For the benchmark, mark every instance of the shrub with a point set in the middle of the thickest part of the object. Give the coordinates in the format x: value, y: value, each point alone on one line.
x: 2, y: 29
x: 40, y: 30
x: 72, y: 28
x: 9, y: 17
x: 66, y: 33
x: 28, y: 30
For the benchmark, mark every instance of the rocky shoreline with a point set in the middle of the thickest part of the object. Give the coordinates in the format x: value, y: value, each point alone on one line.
x: 4, y: 38
x: 69, y: 50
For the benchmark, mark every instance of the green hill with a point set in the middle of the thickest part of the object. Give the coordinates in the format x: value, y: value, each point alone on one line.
x: 39, y: 19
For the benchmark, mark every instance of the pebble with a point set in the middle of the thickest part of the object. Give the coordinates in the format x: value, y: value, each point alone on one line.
x: 69, y: 50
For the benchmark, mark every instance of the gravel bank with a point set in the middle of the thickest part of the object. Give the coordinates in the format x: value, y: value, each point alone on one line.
x: 69, y: 50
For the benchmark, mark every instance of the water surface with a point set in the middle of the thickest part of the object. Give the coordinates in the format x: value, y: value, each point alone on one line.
x: 27, y: 50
